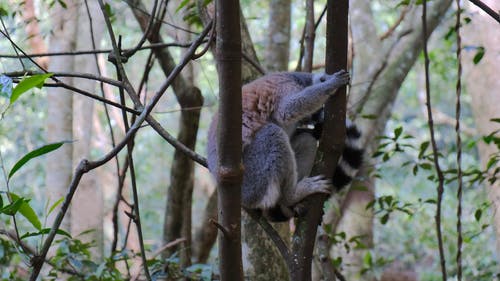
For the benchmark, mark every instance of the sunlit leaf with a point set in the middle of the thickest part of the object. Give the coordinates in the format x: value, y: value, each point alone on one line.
x: 26, y: 211
x: 33, y: 154
x: 55, y: 205
x: 27, y: 84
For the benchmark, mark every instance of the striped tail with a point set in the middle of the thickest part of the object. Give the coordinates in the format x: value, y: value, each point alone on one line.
x: 351, y: 159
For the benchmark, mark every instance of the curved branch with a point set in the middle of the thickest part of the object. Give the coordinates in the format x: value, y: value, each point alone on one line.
x: 487, y: 9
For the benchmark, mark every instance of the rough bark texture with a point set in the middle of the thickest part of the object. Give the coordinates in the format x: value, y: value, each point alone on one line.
x: 482, y: 83
x: 87, y: 207
x: 60, y: 107
x: 230, y: 169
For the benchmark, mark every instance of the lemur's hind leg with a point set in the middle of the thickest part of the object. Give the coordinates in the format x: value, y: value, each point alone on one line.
x: 269, y: 168
x: 304, y: 146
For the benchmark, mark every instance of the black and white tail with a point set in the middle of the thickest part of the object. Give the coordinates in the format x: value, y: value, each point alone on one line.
x: 351, y: 159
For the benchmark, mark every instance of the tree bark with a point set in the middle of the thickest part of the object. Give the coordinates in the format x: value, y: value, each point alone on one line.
x: 230, y: 168
x: 59, y: 165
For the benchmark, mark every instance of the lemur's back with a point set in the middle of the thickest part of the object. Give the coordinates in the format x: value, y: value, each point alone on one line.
x: 259, y: 100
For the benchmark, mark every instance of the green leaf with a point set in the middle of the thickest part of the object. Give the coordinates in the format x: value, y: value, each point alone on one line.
x: 479, y: 55
x: 397, y: 132
x: 1, y: 202
x: 477, y: 214
x: 384, y: 218
x: 62, y: 3
x: 182, y: 5
x: 12, y: 208
x: 33, y: 154
x: 27, y: 84
x: 423, y: 148
x: 26, y: 211
x: 495, y: 120
x: 55, y: 205
x: 43, y: 232
x: 369, y: 116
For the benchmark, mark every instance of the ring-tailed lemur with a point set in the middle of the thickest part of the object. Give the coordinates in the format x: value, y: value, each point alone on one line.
x: 277, y: 156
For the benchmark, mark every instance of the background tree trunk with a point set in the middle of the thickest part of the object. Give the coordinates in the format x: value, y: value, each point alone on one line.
x: 278, y: 37
x: 87, y: 207
x: 60, y: 106
x: 482, y: 82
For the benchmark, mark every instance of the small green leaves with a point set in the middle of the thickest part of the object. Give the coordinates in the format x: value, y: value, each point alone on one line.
x: 33, y: 154
x: 479, y: 55
x: 27, y: 84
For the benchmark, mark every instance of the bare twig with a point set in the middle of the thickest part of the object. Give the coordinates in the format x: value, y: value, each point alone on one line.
x: 145, y: 34
x: 390, y: 31
x: 440, y: 188
x: 135, y: 272
x: 459, y: 145
x: 94, y: 51
x: 85, y: 165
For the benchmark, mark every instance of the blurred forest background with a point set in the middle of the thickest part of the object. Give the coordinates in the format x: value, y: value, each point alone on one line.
x: 382, y: 229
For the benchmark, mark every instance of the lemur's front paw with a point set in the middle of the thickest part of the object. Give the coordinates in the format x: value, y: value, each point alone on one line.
x: 341, y: 78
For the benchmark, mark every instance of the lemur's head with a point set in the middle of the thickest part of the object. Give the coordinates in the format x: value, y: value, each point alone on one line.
x: 319, y: 78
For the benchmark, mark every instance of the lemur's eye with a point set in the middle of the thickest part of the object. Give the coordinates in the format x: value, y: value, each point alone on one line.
x: 322, y: 79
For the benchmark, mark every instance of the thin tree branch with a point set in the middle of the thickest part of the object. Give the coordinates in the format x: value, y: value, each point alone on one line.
x: 459, y: 144
x: 91, y: 52
x: 440, y: 187
x: 272, y: 233
x: 149, y: 29
x: 487, y: 9
x: 85, y: 165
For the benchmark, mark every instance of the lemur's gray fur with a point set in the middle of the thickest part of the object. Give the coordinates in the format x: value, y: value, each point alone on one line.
x: 276, y: 156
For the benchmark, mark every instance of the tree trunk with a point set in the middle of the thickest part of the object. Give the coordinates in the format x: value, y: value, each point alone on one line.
x: 87, y: 207
x: 278, y: 38
x: 482, y: 83
x: 229, y: 166
x: 59, y: 166
x: 35, y: 38
x: 386, y: 69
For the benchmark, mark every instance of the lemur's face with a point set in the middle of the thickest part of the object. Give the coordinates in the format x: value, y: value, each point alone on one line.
x: 319, y: 78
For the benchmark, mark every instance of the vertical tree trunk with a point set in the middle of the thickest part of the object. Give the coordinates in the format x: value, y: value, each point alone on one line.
x: 35, y: 39
x: 482, y: 83
x: 278, y: 38
x: 87, y: 207
x: 59, y: 166
x: 230, y: 170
